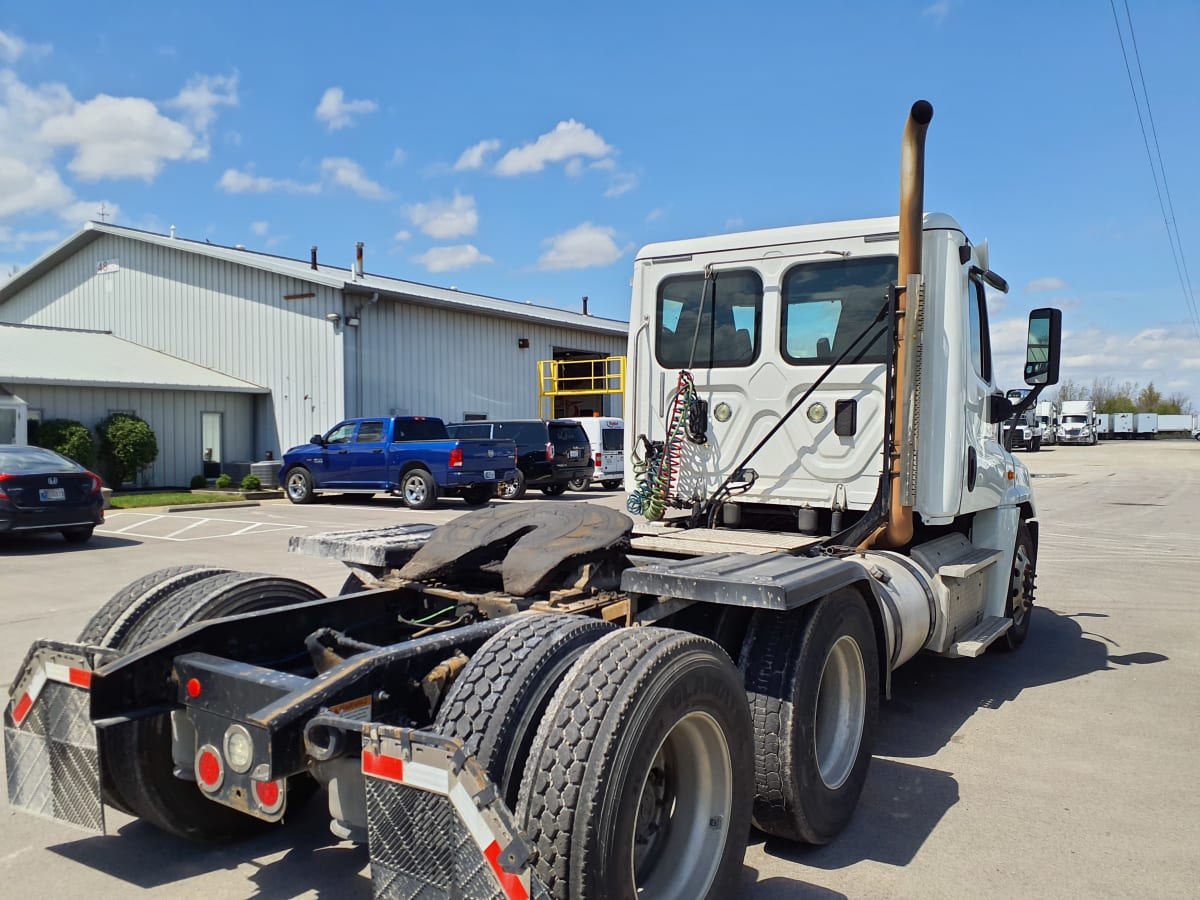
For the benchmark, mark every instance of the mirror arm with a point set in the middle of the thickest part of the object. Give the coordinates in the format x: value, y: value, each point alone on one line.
x: 1030, y: 399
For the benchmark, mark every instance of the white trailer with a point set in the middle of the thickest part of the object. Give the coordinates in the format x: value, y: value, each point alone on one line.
x: 1175, y: 423
x: 1103, y: 425
x: 1145, y: 426
x: 1077, y: 422
x: 551, y: 701
x: 1122, y: 425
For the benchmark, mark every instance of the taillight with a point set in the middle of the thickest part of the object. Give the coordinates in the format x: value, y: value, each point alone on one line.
x: 598, y: 460
x: 3, y: 478
x: 96, y: 483
x: 210, y: 771
x: 549, y: 452
x: 270, y: 795
x: 456, y: 458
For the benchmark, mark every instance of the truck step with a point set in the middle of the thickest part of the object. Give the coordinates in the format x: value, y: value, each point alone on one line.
x: 953, y: 556
x: 975, y: 641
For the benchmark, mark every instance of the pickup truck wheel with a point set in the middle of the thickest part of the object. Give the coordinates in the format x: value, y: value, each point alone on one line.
x: 418, y: 489
x: 639, y: 782
x: 497, y: 701
x: 579, y: 484
x: 553, y: 490
x: 514, y: 490
x: 478, y: 495
x: 611, y: 485
x: 1019, y: 606
x: 142, y: 764
x: 812, y: 678
x: 112, y: 622
x: 299, y: 486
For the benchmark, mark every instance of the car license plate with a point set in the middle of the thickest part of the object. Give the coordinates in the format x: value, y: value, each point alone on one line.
x: 46, y: 495
x: 575, y: 454
x: 489, y: 474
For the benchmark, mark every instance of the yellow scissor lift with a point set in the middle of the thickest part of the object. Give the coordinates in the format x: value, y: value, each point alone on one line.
x: 565, y: 385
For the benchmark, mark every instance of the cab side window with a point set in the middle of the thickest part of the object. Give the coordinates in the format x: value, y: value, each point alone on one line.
x: 369, y: 433
x: 981, y: 344
x: 342, y: 434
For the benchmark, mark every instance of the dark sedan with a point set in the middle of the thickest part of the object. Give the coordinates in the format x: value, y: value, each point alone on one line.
x: 43, y: 491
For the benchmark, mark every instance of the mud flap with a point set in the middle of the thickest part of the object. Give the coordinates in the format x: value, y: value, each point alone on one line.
x: 437, y: 828
x: 50, y: 747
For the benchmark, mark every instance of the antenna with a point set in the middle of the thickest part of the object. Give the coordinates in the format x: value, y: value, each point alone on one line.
x: 103, y: 213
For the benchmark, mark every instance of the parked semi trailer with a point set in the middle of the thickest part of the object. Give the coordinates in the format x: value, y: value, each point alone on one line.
x: 552, y: 701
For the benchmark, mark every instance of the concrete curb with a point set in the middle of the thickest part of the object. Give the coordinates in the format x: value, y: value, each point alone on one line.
x: 200, y: 506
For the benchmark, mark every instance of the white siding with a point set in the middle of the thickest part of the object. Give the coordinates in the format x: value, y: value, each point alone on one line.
x: 195, y: 308
x: 174, y: 416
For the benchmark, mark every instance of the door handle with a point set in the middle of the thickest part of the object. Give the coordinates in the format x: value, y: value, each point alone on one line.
x: 377, y: 450
x: 972, y: 468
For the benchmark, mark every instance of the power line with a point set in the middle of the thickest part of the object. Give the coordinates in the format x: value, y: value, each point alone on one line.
x: 1173, y: 239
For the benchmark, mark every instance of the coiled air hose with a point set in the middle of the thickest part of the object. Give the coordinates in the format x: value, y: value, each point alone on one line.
x: 656, y: 468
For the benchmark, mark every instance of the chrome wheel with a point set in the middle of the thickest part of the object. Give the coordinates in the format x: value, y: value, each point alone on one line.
x: 841, y: 711
x: 683, y: 812
x: 415, y: 490
x: 299, y: 487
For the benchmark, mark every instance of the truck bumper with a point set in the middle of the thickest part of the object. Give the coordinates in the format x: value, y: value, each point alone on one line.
x: 50, y: 746
x: 436, y: 825
x: 456, y: 481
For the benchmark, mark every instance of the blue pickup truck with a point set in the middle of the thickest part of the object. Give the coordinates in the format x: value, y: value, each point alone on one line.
x: 410, y: 456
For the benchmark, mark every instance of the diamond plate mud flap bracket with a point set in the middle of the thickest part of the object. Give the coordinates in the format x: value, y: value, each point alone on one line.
x: 49, y: 741
x: 436, y: 825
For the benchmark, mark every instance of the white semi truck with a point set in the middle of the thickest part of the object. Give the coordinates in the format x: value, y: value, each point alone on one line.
x: 1078, y: 422
x: 1047, y: 419
x: 553, y: 701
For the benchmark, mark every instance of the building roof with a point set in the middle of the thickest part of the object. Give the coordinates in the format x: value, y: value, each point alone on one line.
x: 34, y: 354
x: 330, y: 276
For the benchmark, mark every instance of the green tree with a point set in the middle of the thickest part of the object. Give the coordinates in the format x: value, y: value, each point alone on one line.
x: 68, y: 437
x: 1180, y: 403
x: 1148, y: 399
x: 127, y: 445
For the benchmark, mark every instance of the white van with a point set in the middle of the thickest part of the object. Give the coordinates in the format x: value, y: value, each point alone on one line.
x: 607, y: 437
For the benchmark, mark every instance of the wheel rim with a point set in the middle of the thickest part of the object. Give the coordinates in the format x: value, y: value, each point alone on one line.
x: 296, y: 487
x: 578, y: 484
x: 1021, y: 601
x: 841, y: 710
x: 510, y: 490
x: 683, y: 812
x: 414, y: 490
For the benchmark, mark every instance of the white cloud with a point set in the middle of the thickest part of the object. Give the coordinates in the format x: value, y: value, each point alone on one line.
x: 1038, y: 285
x: 235, y: 182
x: 12, y: 48
x: 119, y: 137
x: 260, y: 228
x: 568, y: 139
x: 398, y: 157
x: 574, y: 167
x: 938, y: 11
x: 16, y: 241
x: 30, y: 189
x: 83, y: 211
x: 622, y: 183
x: 337, y: 112
x: 734, y: 222
x: 200, y: 98
x: 473, y: 157
x: 349, y: 174
x: 445, y: 219
x: 657, y: 213
x: 402, y: 235
x: 447, y: 259
x: 582, y: 247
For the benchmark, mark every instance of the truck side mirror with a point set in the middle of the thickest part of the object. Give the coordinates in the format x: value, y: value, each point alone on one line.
x: 1000, y: 409
x: 317, y: 439
x: 1043, y: 346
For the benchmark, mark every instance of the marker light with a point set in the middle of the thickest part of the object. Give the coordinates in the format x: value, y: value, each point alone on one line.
x: 817, y: 413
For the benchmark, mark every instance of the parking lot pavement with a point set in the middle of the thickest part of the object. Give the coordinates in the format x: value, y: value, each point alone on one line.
x: 1064, y: 770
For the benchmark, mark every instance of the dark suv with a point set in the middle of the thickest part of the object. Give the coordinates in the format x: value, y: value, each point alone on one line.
x: 550, y: 453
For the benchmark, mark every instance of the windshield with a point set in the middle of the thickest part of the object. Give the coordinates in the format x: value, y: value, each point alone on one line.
x: 1075, y: 420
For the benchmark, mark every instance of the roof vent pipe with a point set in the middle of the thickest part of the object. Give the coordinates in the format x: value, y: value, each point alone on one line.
x: 172, y: 232
x: 358, y: 264
x: 314, y: 257
x: 585, y: 312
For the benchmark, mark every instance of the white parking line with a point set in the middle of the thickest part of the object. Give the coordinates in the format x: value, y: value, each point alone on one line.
x: 186, y: 528
x: 145, y: 521
x: 231, y: 527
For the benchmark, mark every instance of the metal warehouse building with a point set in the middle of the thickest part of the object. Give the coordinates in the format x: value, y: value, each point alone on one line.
x: 232, y: 355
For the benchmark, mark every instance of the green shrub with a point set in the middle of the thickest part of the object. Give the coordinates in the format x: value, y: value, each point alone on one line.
x: 127, y: 445
x: 199, y: 483
x: 251, y: 483
x: 68, y: 437
x: 224, y: 482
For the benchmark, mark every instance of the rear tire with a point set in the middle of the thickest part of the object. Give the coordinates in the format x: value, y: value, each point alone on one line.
x: 553, y: 490
x: 77, y: 535
x: 639, y: 778
x: 497, y: 701
x: 611, y: 485
x: 812, y: 678
x: 579, y: 484
x: 418, y: 489
x: 145, y: 780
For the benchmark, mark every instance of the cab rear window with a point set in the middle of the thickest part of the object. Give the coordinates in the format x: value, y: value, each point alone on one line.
x: 612, y: 438
x: 567, y: 434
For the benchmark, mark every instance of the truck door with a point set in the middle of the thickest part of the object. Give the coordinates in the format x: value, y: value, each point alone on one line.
x: 336, y: 453
x: 367, y: 466
x: 986, y: 462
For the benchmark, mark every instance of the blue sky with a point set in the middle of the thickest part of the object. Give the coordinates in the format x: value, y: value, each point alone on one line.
x: 527, y: 151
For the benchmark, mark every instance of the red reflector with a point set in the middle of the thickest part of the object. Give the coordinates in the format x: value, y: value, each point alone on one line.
x: 267, y: 793
x: 193, y: 688
x: 383, y: 766
x: 21, y: 710
x: 208, y: 767
x: 456, y: 458
x: 509, y: 883
x: 80, y: 677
